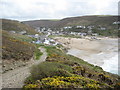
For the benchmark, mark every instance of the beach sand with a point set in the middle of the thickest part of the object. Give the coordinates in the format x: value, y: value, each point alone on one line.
x: 97, y: 52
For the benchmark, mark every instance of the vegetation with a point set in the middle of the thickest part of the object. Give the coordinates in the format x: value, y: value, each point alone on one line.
x: 17, y: 50
x: 12, y: 25
x: 65, y: 71
x: 13, y: 48
x: 109, y: 32
x: 98, y: 21
x: 72, y: 36
x: 103, y: 20
x: 37, y: 54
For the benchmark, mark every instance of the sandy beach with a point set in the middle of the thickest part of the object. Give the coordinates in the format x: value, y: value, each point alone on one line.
x: 102, y: 52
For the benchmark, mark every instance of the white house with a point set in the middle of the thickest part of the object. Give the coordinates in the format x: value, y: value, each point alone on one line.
x: 82, y: 27
x: 12, y: 31
x: 102, y: 28
x: 22, y: 32
x: 94, y: 34
x: 117, y: 22
x: 68, y: 27
x: 47, y: 42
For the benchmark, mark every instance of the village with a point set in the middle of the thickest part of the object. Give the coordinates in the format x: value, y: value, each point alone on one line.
x: 85, y: 32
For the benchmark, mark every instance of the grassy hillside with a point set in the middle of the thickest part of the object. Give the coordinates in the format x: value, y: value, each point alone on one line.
x: 97, y: 21
x: 89, y: 20
x: 13, y: 47
x: 106, y: 21
x: 12, y: 25
x: 17, y: 51
x: 42, y: 23
x: 65, y: 71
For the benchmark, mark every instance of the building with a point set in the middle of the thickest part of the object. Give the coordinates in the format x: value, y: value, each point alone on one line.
x: 12, y: 31
x: 23, y: 32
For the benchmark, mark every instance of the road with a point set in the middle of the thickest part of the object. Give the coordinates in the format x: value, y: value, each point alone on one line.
x: 16, y: 77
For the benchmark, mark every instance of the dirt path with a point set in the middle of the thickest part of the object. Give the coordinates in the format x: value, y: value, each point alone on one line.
x: 16, y: 77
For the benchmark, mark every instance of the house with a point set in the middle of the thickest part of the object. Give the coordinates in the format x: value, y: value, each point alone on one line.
x: 81, y: 27
x: 22, y: 32
x: 83, y: 34
x: 102, y: 28
x: 94, y: 34
x: 90, y: 27
x: 38, y: 42
x: 68, y: 27
x: 42, y: 38
x: 12, y: 31
x: 89, y: 32
x: 61, y: 29
x: 94, y: 38
x: 73, y: 33
x: 47, y: 42
x: 117, y: 22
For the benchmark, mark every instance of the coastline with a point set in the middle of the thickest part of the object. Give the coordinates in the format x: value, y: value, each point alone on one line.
x: 103, y: 52
x: 109, y: 62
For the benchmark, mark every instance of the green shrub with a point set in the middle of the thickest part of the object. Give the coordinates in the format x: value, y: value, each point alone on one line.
x: 49, y: 69
x: 38, y: 54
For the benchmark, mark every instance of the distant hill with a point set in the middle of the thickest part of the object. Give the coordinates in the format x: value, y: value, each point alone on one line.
x: 103, y: 20
x: 12, y: 25
x: 42, y: 23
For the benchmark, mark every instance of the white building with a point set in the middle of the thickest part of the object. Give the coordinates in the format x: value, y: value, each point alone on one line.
x: 118, y: 22
x: 82, y: 27
x: 22, y: 32
x: 47, y: 42
x: 12, y: 31
x: 68, y: 27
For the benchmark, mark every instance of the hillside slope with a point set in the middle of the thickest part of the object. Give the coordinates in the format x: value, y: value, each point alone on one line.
x: 12, y: 25
x: 13, y: 48
x: 61, y: 70
x: 82, y: 20
x: 16, y: 50
x: 42, y: 23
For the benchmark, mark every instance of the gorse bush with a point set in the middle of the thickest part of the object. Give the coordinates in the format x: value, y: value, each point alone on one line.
x: 65, y: 71
x: 49, y: 69
x: 67, y: 82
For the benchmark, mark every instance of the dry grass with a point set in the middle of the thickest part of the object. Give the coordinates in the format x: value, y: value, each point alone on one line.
x: 16, y: 49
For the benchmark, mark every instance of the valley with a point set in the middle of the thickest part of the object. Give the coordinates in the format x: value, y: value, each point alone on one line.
x: 68, y: 53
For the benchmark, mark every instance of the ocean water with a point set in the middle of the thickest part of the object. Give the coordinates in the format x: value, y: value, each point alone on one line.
x: 109, y: 60
x: 111, y: 65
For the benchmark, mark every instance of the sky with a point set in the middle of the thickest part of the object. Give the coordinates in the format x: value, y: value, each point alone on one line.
x: 55, y: 9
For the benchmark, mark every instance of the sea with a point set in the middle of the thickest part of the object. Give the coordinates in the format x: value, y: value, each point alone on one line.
x: 111, y: 65
x: 110, y: 60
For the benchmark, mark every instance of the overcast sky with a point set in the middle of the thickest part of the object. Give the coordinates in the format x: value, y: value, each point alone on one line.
x: 55, y: 9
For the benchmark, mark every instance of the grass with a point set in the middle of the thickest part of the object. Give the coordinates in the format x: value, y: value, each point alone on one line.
x: 72, y: 36
x: 56, y: 53
x: 23, y: 38
x: 38, y: 54
x: 12, y: 25
x: 65, y: 71
x: 16, y: 49
x: 49, y: 69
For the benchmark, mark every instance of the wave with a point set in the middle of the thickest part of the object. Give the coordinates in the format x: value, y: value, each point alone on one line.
x: 111, y: 65
x: 108, y: 61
